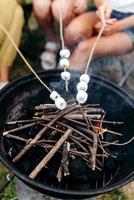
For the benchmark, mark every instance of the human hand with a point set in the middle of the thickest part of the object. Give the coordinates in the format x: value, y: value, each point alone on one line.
x: 80, y: 6
x: 111, y: 21
x: 104, y: 12
x: 110, y: 27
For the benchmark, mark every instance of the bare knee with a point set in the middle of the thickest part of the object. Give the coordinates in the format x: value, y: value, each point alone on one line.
x: 79, y: 28
x: 67, y: 13
x: 41, y: 8
x: 73, y: 34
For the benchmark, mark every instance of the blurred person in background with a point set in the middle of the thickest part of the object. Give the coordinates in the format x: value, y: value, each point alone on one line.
x: 11, y: 17
x: 118, y: 35
x: 47, y: 13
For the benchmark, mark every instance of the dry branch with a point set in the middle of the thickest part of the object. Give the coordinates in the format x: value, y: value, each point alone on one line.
x: 48, y: 157
x: 41, y: 133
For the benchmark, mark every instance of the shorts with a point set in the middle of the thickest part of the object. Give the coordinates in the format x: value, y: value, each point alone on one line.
x: 119, y: 15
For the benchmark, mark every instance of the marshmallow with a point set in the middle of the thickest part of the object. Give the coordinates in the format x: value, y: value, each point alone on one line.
x: 65, y: 76
x: 64, y: 62
x: 82, y: 86
x: 65, y: 53
x: 54, y: 95
x: 60, y: 103
x: 81, y: 96
x: 85, y: 77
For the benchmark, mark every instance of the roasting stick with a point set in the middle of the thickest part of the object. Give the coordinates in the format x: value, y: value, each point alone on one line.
x: 23, y: 58
x: 84, y: 79
x: 61, y: 26
x: 64, y: 75
x: 94, y: 46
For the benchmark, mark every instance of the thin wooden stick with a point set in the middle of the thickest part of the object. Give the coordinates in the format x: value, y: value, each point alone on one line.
x: 94, y: 46
x: 23, y: 58
x: 45, y: 107
x: 19, y: 128
x: 85, y: 125
x: 103, y: 130
x: 20, y: 121
x: 108, y: 122
x: 74, y: 116
x: 77, y: 122
x: 50, y: 106
x: 112, y: 177
x: 51, y: 153
x: 61, y: 25
x: 41, y: 133
x: 53, y: 128
x: 80, y: 145
x: 79, y: 153
x: 94, y: 150
x: 65, y: 158
x: 74, y: 130
x: 117, y: 144
x: 17, y: 138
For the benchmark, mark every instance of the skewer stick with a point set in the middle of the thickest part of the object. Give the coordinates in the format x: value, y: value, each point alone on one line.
x: 93, y: 48
x: 23, y: 58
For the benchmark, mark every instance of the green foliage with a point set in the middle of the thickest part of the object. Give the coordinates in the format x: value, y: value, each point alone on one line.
x: 10, y: 192
x: 115, y: 195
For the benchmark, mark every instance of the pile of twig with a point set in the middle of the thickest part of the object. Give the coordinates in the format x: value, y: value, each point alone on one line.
x: 77, y: 131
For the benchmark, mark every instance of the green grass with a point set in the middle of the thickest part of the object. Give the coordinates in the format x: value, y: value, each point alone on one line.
x: 115, y: 195
x: 9, y: 192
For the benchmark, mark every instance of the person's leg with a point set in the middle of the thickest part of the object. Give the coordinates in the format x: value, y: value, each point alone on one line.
x: 4, y: 74
x: 66, y: 7
x: 7, y: 51
x: 117, y: 44
x: 80, y: 28
x: 42, y: 11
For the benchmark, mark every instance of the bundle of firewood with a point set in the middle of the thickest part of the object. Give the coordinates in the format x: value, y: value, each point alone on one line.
x: 76, y: 132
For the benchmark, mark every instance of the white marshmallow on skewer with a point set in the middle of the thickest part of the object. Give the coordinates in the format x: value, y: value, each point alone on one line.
x: 81, y: 96
x: 64, y: 62
x: 60, y: 103
x: 65, y: 53
x: 65, y: 76
x: 82, y: 86
x: 85, y: 77
x: 54, y: 95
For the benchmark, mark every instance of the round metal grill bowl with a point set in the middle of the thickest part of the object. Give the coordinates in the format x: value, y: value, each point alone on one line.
x: 18, y: 99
